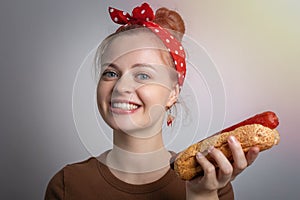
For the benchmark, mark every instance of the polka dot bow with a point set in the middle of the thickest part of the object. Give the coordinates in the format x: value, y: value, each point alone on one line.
x: 143, y: 15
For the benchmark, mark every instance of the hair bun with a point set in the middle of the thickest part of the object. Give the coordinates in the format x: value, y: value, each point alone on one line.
x: 170, y: 19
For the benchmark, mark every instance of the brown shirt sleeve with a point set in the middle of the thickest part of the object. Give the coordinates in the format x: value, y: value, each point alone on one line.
x: 226, y: 193
x: 55, y: 188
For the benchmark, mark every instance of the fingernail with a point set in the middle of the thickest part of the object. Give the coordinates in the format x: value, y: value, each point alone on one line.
x: 255, y: 149
x: 210, y: 149
x: 199, y: 155
x: 232, y: 139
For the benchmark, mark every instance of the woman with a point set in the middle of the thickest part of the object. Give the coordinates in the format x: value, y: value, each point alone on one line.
x: 142, y: 68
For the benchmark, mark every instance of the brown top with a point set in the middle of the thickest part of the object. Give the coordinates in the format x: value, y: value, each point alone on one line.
x: 91, y: 180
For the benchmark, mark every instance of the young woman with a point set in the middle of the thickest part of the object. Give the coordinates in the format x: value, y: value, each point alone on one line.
x: 142, y: 69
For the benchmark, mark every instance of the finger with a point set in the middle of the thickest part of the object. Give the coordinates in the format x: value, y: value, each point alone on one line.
x: 225, y: 167
x: 208, y: 167
x: 252, y: 155
x: 239, y: 158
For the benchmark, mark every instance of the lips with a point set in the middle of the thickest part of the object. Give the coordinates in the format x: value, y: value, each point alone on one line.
x: 121, y: 107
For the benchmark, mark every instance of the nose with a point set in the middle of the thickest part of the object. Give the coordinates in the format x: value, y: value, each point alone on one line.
x: 125, y: 84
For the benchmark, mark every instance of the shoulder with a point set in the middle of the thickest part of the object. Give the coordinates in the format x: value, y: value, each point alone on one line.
x: 83, y: 166
x: 70, y: 174
x: 55, y: 188
x: 80, y: 172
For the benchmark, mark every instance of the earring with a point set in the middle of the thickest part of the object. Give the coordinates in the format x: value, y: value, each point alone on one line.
x: 170, y: 118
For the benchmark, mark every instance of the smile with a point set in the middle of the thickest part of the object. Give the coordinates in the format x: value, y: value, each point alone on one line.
x: 124, y: 106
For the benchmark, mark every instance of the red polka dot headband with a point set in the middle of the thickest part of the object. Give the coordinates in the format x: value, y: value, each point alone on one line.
x: 143, y: 15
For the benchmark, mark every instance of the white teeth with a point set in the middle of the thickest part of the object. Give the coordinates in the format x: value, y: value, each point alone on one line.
x: 124, y: 106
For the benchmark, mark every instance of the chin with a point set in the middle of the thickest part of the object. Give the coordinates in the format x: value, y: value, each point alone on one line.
x: 138, y: 130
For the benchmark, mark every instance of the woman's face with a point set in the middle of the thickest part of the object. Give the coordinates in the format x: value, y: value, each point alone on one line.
x: 136, y: 84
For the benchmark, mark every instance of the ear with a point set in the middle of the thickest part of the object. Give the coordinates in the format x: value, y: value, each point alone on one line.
x: 173, y: 96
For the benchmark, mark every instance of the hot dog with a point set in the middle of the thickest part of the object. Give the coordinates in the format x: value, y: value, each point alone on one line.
x: 258, y: 130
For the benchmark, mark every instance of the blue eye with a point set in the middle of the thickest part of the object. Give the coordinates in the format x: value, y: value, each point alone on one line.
x: 110, y: 74
x: 143, y: 76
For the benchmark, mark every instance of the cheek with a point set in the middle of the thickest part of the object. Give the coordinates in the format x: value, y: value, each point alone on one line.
x: 103, y: 92
x: 154, y: 95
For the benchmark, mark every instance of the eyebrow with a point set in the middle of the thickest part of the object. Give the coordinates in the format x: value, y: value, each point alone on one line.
x: 113, y: 65
x: 109, y: 65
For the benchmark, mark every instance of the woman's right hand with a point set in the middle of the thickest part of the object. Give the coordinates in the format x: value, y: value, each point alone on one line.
x: 207, y: 186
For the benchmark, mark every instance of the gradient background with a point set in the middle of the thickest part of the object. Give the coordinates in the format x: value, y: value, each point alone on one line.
x: 255, y: 45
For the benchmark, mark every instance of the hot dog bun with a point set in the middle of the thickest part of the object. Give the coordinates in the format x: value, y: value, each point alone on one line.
x: 186, y: 165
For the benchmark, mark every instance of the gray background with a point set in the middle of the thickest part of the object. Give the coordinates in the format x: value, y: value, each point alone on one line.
x: 44, y: 42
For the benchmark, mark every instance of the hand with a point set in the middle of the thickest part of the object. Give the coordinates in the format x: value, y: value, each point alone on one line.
x: 214, y: 179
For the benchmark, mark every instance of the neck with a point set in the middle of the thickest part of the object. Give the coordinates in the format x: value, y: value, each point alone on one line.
x: 137, y: 155
x: 135, y: 144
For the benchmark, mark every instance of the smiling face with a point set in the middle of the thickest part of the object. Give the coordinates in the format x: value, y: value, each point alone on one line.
x: 136, y: 85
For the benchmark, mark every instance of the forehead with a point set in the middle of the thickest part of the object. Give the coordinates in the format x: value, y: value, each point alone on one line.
x: 141, y: 45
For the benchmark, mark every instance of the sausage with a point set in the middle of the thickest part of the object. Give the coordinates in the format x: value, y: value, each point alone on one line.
x: 267, y: 119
